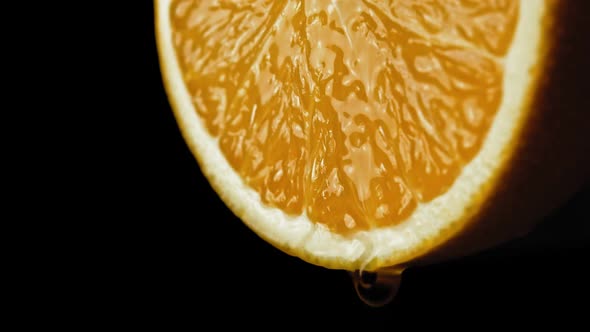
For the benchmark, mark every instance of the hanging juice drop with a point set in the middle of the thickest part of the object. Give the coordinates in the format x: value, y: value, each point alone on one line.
x: 377, y: 288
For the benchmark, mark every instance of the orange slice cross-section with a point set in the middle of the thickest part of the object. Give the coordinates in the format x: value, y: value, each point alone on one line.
x: 355, y: 133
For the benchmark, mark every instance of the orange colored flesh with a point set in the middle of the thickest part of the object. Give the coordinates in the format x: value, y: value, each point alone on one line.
x: 351, y: 111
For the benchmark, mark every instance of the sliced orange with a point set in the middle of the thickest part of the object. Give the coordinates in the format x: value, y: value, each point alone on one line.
x: 363, y: 134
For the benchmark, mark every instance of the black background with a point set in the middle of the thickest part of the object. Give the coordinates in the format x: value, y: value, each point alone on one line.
x: 185, y: 257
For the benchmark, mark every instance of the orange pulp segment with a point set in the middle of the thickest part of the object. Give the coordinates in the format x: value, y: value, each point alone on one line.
x: 353, y: 112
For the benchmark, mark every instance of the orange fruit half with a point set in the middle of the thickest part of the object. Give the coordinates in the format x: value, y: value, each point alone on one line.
x: 363, y: 134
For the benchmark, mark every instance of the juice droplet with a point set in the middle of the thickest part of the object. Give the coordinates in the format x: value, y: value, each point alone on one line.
x: 377, y: 288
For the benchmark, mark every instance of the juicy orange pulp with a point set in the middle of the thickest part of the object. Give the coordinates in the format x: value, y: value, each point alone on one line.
x: 351, y: 111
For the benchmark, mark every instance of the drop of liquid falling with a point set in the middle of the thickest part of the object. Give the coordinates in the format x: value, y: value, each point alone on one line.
x: 378, y: 288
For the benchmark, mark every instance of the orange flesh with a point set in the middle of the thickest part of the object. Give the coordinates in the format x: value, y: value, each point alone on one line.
x: 351, y: 111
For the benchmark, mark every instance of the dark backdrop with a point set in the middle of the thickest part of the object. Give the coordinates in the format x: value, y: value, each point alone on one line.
x: 187, y: 258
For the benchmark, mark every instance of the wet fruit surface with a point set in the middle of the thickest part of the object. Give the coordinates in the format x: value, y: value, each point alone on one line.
x: 351, y: 111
